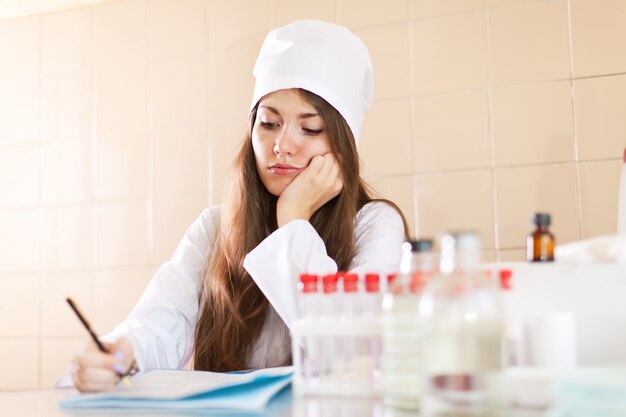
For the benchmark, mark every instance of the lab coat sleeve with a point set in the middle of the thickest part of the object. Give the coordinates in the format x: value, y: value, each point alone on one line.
x: 296, y: 248
x: 161, y: 326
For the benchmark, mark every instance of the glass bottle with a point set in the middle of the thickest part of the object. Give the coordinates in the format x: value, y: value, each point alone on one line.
x: 540, y: 242
x: 463, y: 334
x: 401, y: 360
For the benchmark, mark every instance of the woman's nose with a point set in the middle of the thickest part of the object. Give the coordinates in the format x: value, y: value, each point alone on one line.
x: 284, y: 143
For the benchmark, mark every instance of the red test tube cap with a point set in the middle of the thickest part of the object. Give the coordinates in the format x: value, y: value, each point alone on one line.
x: 372, y: 282
x: 309, y: 283
x: 329, y: 281
x: 505, y: 278
x: 350, y: 282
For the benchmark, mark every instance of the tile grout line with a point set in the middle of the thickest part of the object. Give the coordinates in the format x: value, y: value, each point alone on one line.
x: 150, y: 168
x: 413, y: 129
x: 207, y: 74
x: 494, y: 205
x: 40, y: 202
x: 573, y: 115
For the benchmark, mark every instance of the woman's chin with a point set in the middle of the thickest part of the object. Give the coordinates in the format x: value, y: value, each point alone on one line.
x: 276, y: 188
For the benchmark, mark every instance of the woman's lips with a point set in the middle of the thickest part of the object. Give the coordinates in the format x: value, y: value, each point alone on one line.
x: 283, y: 169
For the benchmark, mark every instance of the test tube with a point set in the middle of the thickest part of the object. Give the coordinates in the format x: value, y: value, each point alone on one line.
x: 350, y: 315
x: 373, y: 310
x: 309, y: 306
x: 329, y: 315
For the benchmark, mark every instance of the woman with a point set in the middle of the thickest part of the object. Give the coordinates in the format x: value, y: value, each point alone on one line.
x: 296, y: 204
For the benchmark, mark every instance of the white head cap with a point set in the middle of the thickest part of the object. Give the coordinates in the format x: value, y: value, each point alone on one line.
x: 323, y: 58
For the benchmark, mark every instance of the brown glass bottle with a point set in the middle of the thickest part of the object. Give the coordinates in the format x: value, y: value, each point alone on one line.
x: 540, y: 243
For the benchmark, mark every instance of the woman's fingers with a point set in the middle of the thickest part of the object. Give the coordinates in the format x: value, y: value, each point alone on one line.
x: 94, y: 379
x: 97, y: 359
x: 123, y: 352
x: 313, y: 187
x: 95, y: 370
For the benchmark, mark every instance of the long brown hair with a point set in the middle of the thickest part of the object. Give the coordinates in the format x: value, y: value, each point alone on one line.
x: 232, y: 308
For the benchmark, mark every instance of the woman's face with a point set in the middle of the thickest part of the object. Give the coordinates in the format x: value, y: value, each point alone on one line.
x: 287, y: 133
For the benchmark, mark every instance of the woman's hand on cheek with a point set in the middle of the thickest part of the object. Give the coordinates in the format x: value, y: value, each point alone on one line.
x: 313, y: 187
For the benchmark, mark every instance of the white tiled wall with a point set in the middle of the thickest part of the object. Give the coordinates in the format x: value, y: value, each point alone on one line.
x: 118, y: 122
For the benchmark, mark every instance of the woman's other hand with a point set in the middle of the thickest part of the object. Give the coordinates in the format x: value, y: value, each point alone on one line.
x: 313, y: 187
x: 96, y: 371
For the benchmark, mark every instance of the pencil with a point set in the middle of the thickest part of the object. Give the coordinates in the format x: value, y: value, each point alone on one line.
x: 94, y: 337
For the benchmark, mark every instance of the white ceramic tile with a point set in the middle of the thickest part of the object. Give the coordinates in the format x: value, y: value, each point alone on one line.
x: 449, y: 53
x: 119, y: 35
x: 532, y: 124
x: 522, y: 191
x: 512, y: 255
x: 56, y: 359
x: 66, y: 107
x: 231, y: 82
x: 385, y: 146
x: 20, y: 366
x: 600, y: 105
x: 119, y: 32
x: 599, y: 188
x: 508, y: 3
x: 180, y: 161
x: 120, y: 95
x: 451, y: 132
x: 392, y: 73
x: 19, y: 176
x: 19, y: 109
x: 67, y: 238
x: 20, y: 240
x: 66, y: 172
x: 360, y: 13
x: 178, y: 92
x: 176, y: 28
x: 171, y: 217
x: 234, y: 23
x: 117, y: 292
x: 66, y: 41
x: 225, y: 138
x: 598, y: 37
x: 57, y: 319
x: 399, y: 190
x: 529, y: 43
x: 122, y: 237
x: 121, y: 164
x: 19, y: 47
x: 286, y: 11
x: 456, y: 201
x: 19, y: 306
x: 419, y: 9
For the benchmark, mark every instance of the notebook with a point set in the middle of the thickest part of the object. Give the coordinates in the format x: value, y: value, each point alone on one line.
x: 190, y: 390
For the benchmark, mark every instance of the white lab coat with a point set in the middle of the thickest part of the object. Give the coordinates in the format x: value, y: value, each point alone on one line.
x: 161, y: 325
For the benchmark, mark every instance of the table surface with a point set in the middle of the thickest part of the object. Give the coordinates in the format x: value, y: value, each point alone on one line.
x: 45, y: 403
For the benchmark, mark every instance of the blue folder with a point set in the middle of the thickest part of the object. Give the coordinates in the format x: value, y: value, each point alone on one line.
x: 190, y: 390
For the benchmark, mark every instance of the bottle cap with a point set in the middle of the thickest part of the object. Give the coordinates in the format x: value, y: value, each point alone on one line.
x: 309, y: 283
x: 329, y: 282
x: 350, y: 282
x: 541, y: 219
x: 372, y: 282
x: 505, y: 278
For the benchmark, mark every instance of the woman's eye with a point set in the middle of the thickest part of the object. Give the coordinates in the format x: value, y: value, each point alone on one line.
x: 268, y: 125
x: 312, y: 131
